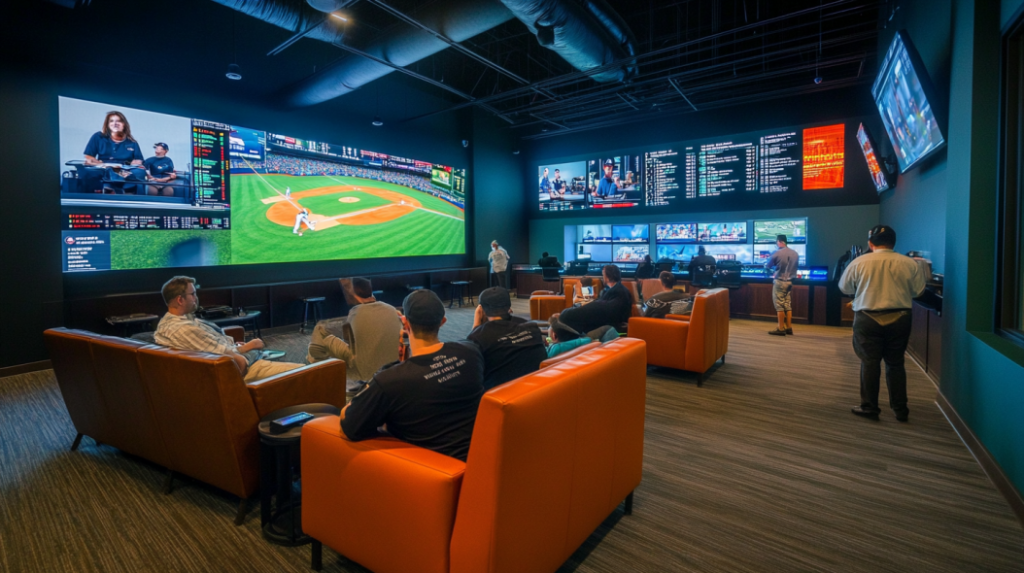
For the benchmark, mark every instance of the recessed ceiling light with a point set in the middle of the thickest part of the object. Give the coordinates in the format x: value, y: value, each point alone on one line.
x: 234, y: 72
x: 377, y: 121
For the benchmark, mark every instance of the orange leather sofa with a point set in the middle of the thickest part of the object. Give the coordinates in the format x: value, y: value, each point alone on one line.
x: 693, y: 342
x: 553, y: 454
x: 189, y: 412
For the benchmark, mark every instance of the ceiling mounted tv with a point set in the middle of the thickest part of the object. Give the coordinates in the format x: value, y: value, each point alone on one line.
x: 905, y: 98
x: 879, y: 176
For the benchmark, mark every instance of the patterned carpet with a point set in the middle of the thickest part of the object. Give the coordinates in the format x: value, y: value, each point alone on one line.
x: 762, y: 470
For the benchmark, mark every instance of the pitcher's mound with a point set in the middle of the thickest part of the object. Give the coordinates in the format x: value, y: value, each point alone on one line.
x: 349, y: 199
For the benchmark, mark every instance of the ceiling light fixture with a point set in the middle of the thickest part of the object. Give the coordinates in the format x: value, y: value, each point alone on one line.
x: 339, y: 17
x: 234, y: 72
x: 377, y: 121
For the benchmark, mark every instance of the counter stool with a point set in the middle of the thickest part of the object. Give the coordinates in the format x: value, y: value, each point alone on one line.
x: 460, y: 286
x: 312, y: 303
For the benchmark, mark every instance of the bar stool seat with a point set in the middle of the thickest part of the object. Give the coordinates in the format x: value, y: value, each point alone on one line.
x: 461, y: 287
x: 312, y: 303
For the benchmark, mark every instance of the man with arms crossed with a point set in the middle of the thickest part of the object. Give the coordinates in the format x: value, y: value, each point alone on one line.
x: 499, y: 262
x: 884, y: 284
x: 429, y: 400
x: 180, y: 329
x: 512, y: 347
x: 784, y: 261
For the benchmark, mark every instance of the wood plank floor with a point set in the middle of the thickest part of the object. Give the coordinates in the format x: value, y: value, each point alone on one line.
x: 763, y: 469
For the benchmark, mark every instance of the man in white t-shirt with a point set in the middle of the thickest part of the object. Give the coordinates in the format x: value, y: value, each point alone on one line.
x: 498, y: 258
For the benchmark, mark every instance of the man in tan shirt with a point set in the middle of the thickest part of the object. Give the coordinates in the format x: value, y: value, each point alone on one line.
x: 884, y: 284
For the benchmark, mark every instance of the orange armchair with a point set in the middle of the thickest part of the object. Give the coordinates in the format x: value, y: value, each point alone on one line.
x: 553, y: 454
x: 691, y: 343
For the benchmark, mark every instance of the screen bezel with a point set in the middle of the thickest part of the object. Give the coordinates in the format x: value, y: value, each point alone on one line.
x: 903, y: 37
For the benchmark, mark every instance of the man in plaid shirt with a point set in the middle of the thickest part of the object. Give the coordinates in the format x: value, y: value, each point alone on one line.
x: 180, y: 329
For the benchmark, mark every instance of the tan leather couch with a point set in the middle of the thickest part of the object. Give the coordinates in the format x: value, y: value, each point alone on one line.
x: 190, y: 412
x: 553, y: 454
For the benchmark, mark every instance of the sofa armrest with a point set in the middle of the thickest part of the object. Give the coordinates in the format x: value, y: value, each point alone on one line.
x: 682, y: 317
x: 666, y: 340
x: 383, y: 503
x: 236, y: 332
x: 320, y: 383
x: 570, y: 354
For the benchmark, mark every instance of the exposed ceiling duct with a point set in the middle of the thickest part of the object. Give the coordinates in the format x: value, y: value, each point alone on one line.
x: 292, y: 16
x: 588, y: 35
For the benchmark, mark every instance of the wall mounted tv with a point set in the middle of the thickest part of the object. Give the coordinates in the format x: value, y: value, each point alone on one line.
x: 676, y: 233
x: 631, y: 253
x: 631, y: 233
x: 596, y: 233
x: 735, y: 232
x: 905, y: 99
x: 598, y: 253
x: 766, y: 231
x: 683, y: 253
x: 764, y: 252
x: 879, y: 176
x: 148, y: 190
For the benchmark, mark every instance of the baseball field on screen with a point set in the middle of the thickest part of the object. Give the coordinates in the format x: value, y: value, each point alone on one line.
x: 353, y: 218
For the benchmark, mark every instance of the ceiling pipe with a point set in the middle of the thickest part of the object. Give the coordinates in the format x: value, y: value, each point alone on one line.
x: 291, y: 17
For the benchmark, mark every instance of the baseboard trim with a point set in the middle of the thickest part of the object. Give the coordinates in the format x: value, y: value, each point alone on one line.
x: 984, y: 458
x: 25, y: 368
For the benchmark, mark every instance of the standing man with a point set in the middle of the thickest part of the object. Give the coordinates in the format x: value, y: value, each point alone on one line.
x: 300, y: 218
x: 884, y: 284
x: 160, y: 169
x: 606, y: 187
x: 499, y: 262
x: 784, y: 261
x: 545, y: 183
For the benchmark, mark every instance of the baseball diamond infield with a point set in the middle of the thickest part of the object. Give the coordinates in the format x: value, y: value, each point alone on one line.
x: 354, y: 218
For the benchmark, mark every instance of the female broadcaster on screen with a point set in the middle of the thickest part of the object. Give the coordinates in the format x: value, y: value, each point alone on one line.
x: 107, y: 151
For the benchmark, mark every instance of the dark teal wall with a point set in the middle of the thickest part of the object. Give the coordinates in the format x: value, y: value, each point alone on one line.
x: 916, y: 208
x: 499, y: 212
x: 982, y: 373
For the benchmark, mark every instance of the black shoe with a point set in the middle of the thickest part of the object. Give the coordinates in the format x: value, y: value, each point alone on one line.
x: 777, y: 332
x: 860, y: 411
x: 902, y: 416
x: 789, y: 331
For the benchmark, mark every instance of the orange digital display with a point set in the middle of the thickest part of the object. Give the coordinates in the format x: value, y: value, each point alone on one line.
x: 824, y: 157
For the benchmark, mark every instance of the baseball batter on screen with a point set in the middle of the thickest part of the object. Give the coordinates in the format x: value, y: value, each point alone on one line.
x: 300, y: 218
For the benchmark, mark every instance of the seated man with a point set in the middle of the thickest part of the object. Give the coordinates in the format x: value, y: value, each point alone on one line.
x: 375, y: 328
x: 512, y: 347
x: 659, y: 305
x: 180, y: 329
x: 579, y: 296
x: 547, y: 261
x: 429, y: 400
x: 563, y: 337
x: 612, y: 308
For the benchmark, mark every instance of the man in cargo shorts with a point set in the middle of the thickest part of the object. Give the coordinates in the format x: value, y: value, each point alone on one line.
x: 784, y: 261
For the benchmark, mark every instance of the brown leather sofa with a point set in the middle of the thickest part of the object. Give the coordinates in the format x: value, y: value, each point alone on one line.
x: 553, y: 454
x: 190, y: 412
x: 693, y: 342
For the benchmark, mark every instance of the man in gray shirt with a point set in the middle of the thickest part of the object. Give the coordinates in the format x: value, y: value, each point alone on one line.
x: 375, y: 330
x: 784, y: 261
x: 884, y: 284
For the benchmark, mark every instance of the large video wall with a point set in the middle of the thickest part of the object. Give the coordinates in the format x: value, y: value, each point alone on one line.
x: 789, y: 167
x: 147, y: 190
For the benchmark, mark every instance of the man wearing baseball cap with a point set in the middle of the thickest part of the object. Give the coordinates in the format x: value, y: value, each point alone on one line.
x: 512, y: 347
x: 884, y: 284
x: 607, y: 187
x: 160, y: 169
x: 430, y: 399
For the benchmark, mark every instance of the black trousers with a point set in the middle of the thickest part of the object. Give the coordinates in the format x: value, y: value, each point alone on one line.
x: 500, y: 278
x: 873, y: 343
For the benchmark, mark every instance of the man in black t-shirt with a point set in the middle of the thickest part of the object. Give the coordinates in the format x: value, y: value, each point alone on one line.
x: 512, y: 347
x: 612, y: 308
x: 430, y: 399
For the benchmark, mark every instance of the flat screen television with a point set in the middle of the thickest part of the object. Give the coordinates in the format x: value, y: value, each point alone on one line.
x: 671, y: 253
x: 676, y: 233
x: 905, y: 99
x: 764, y: 252
x: 684, y: 253
x: 879, y: 176
x: 735, y: 232
x: 595, y: 233
x: 767, y: 231
x: 598, y: 253
x: 631, y: 234
x: 631, y: 253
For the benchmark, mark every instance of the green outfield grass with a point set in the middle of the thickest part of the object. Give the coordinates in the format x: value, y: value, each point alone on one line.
x: 772, y: 231
x: 255, y: 239
x: 154, y: 249
x: 330, y: 206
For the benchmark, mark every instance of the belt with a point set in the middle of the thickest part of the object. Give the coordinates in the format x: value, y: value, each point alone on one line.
x: 884, y: 310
